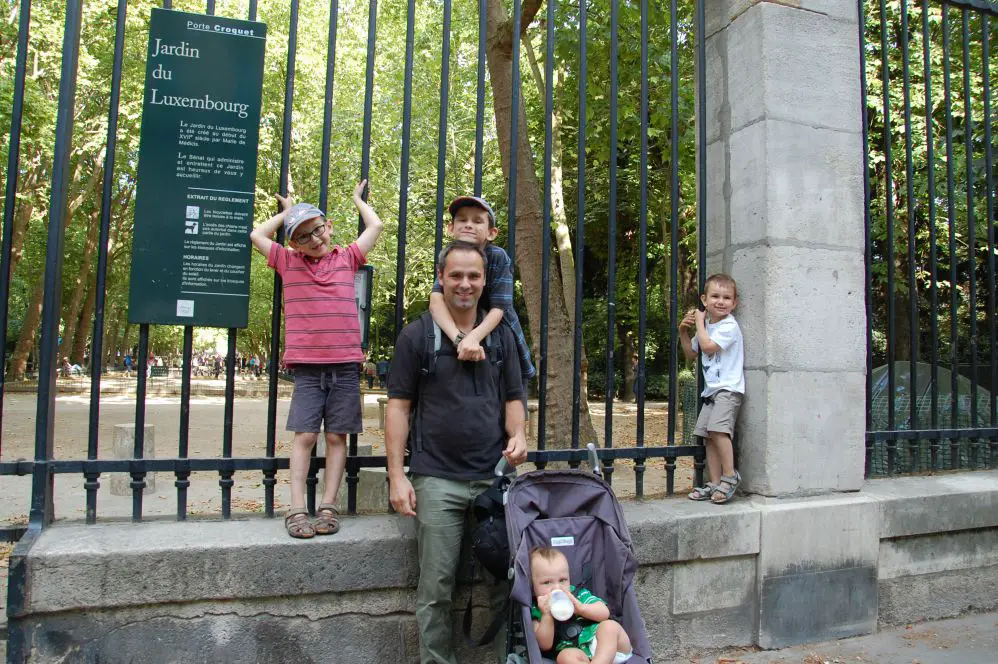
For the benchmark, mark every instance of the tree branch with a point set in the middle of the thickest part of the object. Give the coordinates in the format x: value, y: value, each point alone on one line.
x: 528, y: 11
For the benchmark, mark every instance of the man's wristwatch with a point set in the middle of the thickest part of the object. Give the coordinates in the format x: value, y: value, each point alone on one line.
x: 458, y: 338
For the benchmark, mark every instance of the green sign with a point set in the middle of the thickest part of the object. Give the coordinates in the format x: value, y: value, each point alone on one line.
x: 197, y: 170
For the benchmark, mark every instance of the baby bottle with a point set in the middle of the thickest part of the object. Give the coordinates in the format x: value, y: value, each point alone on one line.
x: 561, y: 605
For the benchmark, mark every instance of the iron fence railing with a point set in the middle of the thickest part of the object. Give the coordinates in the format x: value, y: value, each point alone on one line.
x: 44, y: 465
x: 932, y: 367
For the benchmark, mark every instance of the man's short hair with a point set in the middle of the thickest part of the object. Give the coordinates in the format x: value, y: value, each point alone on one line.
x: 720, y: 279
x: 459, y: 245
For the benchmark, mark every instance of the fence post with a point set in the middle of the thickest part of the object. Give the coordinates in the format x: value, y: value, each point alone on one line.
x: 785, y: 219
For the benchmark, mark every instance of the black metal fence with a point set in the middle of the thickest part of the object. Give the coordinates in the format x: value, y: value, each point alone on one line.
x: 682, y: 31
x: 932, y: 368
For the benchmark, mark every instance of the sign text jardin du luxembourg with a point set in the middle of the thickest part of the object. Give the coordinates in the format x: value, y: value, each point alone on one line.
x: 197, y: 169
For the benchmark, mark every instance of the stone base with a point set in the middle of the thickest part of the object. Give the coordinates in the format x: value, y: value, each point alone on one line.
x: 124, y: 448
x: 372, y: 492
x: 758, y: 572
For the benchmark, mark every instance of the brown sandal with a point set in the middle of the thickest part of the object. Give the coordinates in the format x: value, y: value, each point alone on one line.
x: 327, y: 519
x: 298, y: 525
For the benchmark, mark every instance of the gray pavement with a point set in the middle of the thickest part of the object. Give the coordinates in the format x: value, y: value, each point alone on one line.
x: 972, y: 639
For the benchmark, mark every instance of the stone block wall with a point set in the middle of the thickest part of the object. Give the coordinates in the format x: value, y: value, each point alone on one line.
x: 759, y: 571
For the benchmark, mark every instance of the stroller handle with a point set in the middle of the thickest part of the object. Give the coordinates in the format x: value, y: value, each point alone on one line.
x: 504, y: 468
x: 594, y: 463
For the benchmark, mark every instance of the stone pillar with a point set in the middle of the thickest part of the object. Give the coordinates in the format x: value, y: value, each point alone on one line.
x: 124, y: 448
x: 785, y: 219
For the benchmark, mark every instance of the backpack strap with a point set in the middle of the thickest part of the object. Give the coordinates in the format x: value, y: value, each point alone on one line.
x: 431, y: 348
x: 502, y: 616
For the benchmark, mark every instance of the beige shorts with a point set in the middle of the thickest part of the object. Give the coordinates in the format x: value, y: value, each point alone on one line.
x: 719, y: 413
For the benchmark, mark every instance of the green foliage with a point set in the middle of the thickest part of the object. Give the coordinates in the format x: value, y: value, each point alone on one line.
x: 345, y: 152
x: 948, y: 220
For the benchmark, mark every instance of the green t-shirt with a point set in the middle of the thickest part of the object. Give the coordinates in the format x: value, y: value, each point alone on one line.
x: 585, y: 637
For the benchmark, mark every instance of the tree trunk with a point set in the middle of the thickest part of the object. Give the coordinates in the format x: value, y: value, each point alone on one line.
x: 26, y: 341
x: 627, y: 343
x: 111, y: 341
x: 80, y: 286
x: 562, y: 234
x: 530, y: 229
x: 85, y: 325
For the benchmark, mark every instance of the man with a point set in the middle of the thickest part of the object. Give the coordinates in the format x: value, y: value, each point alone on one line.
x: 468, y: 415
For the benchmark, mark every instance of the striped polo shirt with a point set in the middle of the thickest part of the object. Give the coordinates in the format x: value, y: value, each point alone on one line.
x: 320, y: 308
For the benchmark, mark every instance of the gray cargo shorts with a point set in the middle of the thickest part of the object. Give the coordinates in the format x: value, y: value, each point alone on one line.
x: 326, y: 397
x: 719, y: 412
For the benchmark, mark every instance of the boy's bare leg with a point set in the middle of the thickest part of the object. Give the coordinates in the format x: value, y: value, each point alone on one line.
x: 301, y: 453
x: 724, y: 453
x: 336, y: 461
x: 713, y: 460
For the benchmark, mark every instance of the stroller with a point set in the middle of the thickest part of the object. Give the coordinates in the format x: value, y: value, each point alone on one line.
x: 576, y: 512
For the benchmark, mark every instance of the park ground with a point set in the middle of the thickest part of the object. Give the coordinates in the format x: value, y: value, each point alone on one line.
x: 248, y: 439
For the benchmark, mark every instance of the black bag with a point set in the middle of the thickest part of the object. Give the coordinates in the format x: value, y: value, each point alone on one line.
x: 490, y: 548
x: 489, y: 541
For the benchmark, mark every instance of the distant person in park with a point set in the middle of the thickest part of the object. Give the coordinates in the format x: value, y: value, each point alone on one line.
x: 322, y: 344
x: 369, y: 372
x: 383, y: 372
x: 128, y: 365
x: 472, y: 220
x: 716, y: 333
x: 468, y: 415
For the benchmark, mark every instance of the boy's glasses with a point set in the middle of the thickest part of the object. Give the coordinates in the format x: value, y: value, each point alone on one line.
x: 308, y: 237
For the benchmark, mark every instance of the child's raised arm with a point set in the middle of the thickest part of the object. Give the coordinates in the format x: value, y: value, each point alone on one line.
x: 262, y: 234
x: 372, y: 222
x: 441, y: 316
x: 500, y: 292
x: 471, y: 346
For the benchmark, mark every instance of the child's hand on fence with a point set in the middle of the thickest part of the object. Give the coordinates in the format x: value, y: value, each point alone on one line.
x: 358, y: 193
x: 689, y: 320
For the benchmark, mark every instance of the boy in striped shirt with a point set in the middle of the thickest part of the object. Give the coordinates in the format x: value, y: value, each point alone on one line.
x: 322, y: 344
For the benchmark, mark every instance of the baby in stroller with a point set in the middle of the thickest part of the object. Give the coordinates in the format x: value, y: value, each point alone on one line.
x: 589, y: 635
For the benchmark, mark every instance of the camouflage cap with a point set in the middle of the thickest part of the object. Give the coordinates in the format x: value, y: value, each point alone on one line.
x: 298, y: 214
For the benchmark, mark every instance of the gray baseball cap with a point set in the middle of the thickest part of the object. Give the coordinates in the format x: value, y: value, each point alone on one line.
x: 474, y: 201
x: 298, y: 214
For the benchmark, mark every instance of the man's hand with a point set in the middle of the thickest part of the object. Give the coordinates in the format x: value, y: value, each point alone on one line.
x: 403, y: 497
x: 516, y: 449
x: 470, y: 349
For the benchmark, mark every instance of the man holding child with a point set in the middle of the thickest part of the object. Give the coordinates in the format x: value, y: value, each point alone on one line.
x: 467, y: 416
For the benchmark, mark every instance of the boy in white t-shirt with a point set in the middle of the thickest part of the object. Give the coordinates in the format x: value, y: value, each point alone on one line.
x: 716, y: 333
